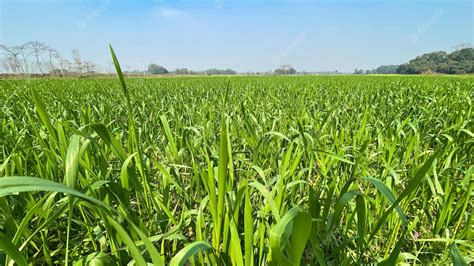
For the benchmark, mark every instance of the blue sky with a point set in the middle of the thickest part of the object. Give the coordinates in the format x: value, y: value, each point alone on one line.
x: 244, y: 35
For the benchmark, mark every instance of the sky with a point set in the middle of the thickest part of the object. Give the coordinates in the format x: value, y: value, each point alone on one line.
x: 246, y: 35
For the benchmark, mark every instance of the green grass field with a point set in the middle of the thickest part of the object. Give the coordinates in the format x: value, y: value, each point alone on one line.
x: 246, y: 171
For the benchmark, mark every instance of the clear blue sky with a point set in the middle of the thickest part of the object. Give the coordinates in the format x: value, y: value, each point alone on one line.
x: 244, y: 35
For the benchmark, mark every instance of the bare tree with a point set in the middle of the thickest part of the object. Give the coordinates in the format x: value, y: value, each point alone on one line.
x: 13, y: 60
x: 77, y: 61
x: 89, y: 66
x: 14, y: 65
x: 37, y: 49
x: 53, y: 54
x: 24, y: 55
x: 64, y: 65
x: 5, y: 66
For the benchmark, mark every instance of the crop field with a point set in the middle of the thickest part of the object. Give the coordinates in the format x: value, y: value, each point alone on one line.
x: 328, y: 170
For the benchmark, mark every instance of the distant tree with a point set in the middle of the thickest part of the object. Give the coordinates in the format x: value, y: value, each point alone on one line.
x: 89, y: 67
x: 64, y: 65
x: 408, y: 69
x: 215, y: 71
x: 457, y: 62
x: 5, y: 66
x: 155, y: 69
x: 386, y: 69
x: 229, y: 71
x: 466, y: 54
x: 181, y: 71
x: 56, y: 72
x: 358, y: 71
x: 24, y: 55
x: 285, y: 70
x: 53, y: 54
x: 11, y: 65
x: 77, y: 61
x: 13, y: 61
x: 37, y: 49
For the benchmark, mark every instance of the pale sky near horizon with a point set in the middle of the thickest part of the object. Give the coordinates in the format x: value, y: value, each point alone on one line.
x: 244, y: 35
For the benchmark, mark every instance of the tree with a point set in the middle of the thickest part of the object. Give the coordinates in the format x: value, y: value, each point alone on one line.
x: 12, y: 58
x: 24, y: 54
x: 215, y: 71
x: 64, y: 65
x: 181, y: 71
x: 285, y: 70
x: 358, y: 71
x: 5, y: 66
x: 37, y: 49
x: 466, y: 54
x: 11, y: 65
x: 77, y: 61
x: 53, y: 54
x: 458, y: 62
x: 386, y: 69
x: 89, y: 67
x: 155, y: 69
x: 408, y: 69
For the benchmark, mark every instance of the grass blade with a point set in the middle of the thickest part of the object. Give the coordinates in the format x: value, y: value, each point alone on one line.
x: 456, y: 257
x: 10, y: 250
x: 187, y: 252
x: 300, y: 223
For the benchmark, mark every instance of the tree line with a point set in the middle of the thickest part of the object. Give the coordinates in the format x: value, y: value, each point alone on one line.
x: 460, y: 61
x: 38, y: 58
x: 457, y: 62
x: 155, y: 69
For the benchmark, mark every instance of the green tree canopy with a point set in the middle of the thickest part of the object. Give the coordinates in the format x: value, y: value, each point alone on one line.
x: 457, y: 62
x: 155, y: 69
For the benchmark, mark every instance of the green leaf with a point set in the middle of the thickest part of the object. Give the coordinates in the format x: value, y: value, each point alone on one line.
x: 8, y: 248
x: 15, y: 184
x: 299, y: 223
x: 132, y: 248
x: 456, y: 257
x: 339, y: 207
x: 72, y: 161
x: 119, y: 72
x: 72, y: 168
x: 110, y: 140
x: 222, y: 177
x: 44, y: 116
x: 235, y: 248
x: 388, y: 196
x: 187, y: 252
x: 361, y: 220
x: 248, y: 230
x: 271, y: 203
x: 169, y: 136
x: 392, y: 259
x: 95, y: 259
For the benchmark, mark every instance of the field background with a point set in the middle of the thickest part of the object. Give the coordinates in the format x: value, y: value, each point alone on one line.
x: 287, y: 170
